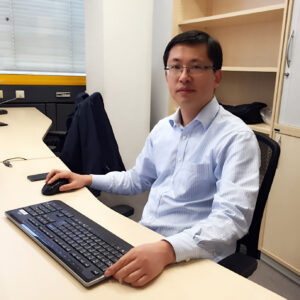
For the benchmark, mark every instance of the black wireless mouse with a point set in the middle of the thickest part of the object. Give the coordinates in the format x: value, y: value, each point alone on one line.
x: 53, y: 188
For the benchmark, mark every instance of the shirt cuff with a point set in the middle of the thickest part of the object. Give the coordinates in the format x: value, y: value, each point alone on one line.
x: 185, y: 247
x: 101, y: 183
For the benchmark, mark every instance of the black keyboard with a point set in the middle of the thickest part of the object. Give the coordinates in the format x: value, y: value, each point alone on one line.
x: 83, y: 247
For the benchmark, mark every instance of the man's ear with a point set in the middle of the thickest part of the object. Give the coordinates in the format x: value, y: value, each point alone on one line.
x: 167, y: 78
x: 218, y: 78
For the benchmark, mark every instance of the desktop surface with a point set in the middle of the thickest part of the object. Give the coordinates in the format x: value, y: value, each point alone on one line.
x: 24, y: 133
x: 28, y: 272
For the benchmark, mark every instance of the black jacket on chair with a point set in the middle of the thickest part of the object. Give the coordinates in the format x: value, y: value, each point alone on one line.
x: 90, y: 146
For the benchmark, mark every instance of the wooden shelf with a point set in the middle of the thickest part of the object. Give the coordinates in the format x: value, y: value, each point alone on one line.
x: 288, y: 130
x: 261, y: 127
x: 257, y: 15
x: 250, y: 69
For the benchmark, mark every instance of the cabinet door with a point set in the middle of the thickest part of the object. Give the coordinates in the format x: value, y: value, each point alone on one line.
x: 290, y: 101
x: 281, y: 239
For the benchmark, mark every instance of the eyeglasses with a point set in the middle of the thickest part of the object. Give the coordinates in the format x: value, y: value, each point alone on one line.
x: 176, y: 70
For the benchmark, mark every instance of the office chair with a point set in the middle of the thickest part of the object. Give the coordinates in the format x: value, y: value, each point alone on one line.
x: 55, y: 141
x: 244, y: 261
x: 90, y: 146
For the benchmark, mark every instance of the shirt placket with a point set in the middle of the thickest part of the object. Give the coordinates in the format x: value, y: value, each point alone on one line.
x: 181, y: 149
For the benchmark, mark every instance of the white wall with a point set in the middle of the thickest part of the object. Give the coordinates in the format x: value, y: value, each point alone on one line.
x: 118, y: 64
x: 161, y: 35
x: 94, y: 45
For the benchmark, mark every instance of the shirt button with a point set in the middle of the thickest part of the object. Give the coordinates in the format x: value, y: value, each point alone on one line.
x: 179, y: 159
x: 184, y: 137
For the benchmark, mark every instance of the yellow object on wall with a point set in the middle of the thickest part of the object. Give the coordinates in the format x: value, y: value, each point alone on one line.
x: 8, y: 79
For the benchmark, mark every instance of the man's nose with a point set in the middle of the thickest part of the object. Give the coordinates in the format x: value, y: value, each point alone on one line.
x: 185, y: 75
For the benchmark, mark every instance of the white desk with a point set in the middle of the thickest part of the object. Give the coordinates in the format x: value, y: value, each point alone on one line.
x: 28, y: 272
x: 24, y: 133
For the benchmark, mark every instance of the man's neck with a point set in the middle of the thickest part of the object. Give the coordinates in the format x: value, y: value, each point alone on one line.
x: 188, y: 114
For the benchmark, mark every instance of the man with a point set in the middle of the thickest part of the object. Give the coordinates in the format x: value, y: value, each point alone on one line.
x: 201, y: 165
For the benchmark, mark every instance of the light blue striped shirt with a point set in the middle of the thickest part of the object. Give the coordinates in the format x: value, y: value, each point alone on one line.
x: 203, y: 180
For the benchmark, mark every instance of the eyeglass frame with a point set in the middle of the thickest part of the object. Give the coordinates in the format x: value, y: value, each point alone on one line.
x: 188, y: 68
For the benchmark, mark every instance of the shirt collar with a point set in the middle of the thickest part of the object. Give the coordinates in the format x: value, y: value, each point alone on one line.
x: 175, y: 119
x: 205, y: 116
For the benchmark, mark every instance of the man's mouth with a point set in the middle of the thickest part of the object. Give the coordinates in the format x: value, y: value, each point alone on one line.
x: 184, y: 91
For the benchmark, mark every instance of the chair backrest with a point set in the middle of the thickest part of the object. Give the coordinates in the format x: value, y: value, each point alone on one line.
x: 270, y: 152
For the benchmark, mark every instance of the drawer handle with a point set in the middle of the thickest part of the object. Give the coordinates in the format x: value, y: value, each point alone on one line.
x: 288, y: 59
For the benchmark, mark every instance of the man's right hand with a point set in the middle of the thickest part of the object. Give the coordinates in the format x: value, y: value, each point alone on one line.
x: 76, y: 181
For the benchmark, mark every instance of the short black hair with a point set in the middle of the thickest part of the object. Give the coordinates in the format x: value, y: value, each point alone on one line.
x: 195, y: 37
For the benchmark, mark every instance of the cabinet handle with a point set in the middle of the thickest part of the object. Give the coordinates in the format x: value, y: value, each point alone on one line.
x: 288, y: 60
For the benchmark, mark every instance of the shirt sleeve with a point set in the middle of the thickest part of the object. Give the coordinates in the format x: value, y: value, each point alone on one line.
x: 237, y: 174
x: 134, y: 181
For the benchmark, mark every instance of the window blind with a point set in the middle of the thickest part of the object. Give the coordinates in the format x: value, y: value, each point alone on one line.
x: 42, y: 36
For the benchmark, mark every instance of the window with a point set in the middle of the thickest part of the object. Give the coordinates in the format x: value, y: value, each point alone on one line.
x: 42, y: 37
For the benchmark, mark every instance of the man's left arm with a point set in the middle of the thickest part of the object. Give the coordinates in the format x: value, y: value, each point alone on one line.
x: 142, y: 263
x: 233, y: 205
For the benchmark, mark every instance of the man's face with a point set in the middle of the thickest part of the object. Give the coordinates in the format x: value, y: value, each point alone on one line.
x: 192, y: 91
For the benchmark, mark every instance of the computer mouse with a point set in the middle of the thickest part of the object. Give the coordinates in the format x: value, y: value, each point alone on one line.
x: 53, y: 188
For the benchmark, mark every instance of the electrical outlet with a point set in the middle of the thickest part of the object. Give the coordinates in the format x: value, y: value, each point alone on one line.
x: 63, y: 94
x: 20, y: 94
x: 1, y: 94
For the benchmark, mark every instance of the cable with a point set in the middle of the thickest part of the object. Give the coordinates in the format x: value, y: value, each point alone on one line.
x: 8, y: 100
x: 7, y: 162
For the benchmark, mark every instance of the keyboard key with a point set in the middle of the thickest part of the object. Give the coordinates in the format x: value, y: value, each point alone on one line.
x: 33, y: 221
x: 44, y: 209
x: 55, y: 205
x: 102, y: 266
x: 95, y: 272
x: 30, y: 211
x: 114, y: 259
x: 49, y: 207
x: 95, y: 260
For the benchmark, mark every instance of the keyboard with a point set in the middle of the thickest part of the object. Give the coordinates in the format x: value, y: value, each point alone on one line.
x: 82, y: 246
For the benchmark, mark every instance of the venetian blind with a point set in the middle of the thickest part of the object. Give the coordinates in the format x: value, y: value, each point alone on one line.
x: 38, y: 36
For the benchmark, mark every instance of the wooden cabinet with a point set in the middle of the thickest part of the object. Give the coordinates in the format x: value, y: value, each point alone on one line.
x: 280, y: 235
x: 251, y: 34
x: 280, y: 239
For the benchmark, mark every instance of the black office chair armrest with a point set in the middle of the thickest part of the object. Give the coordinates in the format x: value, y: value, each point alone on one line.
x: 124, y: 210
x: 240, y: 263
x: 55, y: 141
